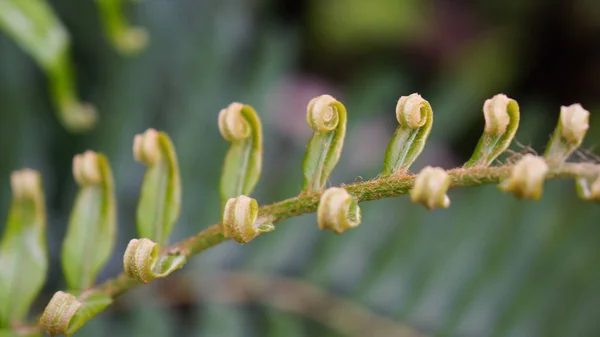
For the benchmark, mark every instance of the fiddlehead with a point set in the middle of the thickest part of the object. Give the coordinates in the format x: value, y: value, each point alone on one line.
x: 240, y: 125
x: 239, y: 220
x: 327, y: 117
x: 415, y: 116
x: 501, y: 123
x: 430, y: 188
x: 338, y: 211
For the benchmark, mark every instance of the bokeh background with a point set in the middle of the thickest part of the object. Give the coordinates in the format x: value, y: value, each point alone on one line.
x: 488, y: 266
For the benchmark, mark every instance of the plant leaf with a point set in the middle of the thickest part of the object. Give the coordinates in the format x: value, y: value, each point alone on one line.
x: 92, y: 305
x: 568, y: 135
x: 91, y: 233
x: 239, y: 220
x: 143, y: 262
x: 126, y: 39
x: 415, y: 116
x: 501, y: 124
x: 160, y: 199
x: 240, y: 125
x: 327, y: 117
x: 66, y: 313
x: 35, y: 27
x: 23, y: 252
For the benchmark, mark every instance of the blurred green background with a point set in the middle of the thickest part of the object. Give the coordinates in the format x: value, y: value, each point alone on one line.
x: 489, y: 266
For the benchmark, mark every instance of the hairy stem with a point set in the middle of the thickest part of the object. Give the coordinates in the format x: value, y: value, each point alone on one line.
x: 392, y: 186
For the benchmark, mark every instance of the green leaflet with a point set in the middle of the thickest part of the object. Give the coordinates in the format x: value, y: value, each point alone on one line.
x: 327, y: 117
x: 34, y: 26
x: 66, y: 313
x: 527, y: 177
x: 501, y: 123
x: 126, y: 39
x: 338, y: 211
x: 23, y: 252
x: 91, y: 233
x: 568, y: 135
x: 143, y: 262
x: 160, y: 199
x: 240, y: 125
x: 239, y: 220
x: 415, y: 116
x: 92, y: 305
x: 430, y: 188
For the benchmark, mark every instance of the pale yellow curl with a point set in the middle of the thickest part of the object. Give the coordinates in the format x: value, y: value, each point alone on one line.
x: 232, y: 124
x: 322, y: 114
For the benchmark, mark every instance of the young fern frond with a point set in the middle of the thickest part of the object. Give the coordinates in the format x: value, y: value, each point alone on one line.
x: 239, y: 220
x: 430, y: 188
x: 143, y: 263
x: 92, y: 225
x: 501, y: 123
x: 337, y: 207
x: 160, y: 197
x: 125, y: 39
x: 415, y: 116
x: 568, y: 135
x: 23, y: 251
x: 36, y: 29
x: 240, y: 125
x: 66, y: 313
x: 327, y: 117
x: 527, y: 177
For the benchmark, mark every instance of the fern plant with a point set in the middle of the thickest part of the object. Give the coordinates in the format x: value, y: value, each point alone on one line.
x: 90, y: 236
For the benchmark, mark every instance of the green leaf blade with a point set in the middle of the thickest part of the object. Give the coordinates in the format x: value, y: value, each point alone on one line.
x: 240, y: 125
x: 151, y: 210
x: 325, y: 145
x: 23, y: 251
x: 403, y: 146
x: 92, y: 305
x: 235, y: 177
x: 313, y: 166
x: 35, y: 28
x: 160, y: 197
x: 91, y: 233
x: 143, y: 262
x: 493, y: 144
x: 415, y: 118
x: 66, y: 313
x: 33, y: 25
x: 167, y: 264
